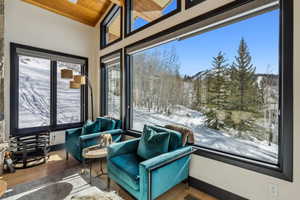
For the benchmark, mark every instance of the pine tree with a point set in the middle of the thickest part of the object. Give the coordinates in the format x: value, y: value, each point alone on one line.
x: 197, y: 87
x: 244, y: 91
x: 218, y: 95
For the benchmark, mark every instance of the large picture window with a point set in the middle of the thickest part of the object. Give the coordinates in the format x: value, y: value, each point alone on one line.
x: 226, y: 90
x: 141, y: 13
x: 227, y: 76
x: 40, y: 99
x: 111, y: 82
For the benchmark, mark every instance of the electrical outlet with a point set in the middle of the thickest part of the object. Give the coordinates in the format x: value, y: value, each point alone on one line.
x: 273, y: 191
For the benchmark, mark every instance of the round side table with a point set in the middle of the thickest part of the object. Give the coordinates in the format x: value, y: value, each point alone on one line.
x: 92, y: 153
x: 3, y: 187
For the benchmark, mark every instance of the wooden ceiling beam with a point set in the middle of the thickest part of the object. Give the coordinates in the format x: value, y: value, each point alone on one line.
x: 115, y: 27
x: 147, y: 9
x: 70, y: 10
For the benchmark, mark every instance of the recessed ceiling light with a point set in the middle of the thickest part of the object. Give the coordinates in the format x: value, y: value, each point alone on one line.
x: 73, y: 1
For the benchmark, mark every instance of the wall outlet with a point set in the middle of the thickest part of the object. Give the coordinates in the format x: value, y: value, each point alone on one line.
x: 273, y: 191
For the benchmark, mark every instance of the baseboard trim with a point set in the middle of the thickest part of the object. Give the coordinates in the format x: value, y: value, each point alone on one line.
x: 57, y: 147
x: 213, y: 190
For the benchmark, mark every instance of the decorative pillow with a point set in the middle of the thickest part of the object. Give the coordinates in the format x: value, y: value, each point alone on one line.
x: 106, y: 124
x: 90, y: 127
x: 152, y: 143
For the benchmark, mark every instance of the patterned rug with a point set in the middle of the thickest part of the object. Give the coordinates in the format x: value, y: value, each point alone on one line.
x: 68, y: 185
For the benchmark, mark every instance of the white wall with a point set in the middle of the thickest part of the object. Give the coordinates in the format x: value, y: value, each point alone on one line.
x: 246, y: 183
x: 33, y: 26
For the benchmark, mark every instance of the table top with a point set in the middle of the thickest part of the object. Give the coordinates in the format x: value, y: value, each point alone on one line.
x: 94, y: 152
x: 3, y: 187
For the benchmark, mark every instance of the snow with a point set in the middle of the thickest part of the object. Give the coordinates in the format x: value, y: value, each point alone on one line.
x: 206, y: 137
x: 34, y: 94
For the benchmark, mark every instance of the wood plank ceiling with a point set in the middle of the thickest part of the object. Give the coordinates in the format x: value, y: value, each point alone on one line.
x: 90, y: 11
x: 85, y: 11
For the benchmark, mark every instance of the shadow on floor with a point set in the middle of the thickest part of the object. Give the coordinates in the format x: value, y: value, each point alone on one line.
x: 58, y: 191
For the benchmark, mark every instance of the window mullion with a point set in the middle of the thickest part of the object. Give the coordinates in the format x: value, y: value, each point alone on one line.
x: 53, y: 91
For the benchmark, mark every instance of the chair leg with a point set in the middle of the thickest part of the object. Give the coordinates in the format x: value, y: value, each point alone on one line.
x: 67, y: 155
x: 108, y: 183
x: 186, y: 183
x: 91, y: 164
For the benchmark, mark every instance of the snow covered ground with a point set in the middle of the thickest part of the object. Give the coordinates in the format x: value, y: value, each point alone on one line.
x: 34, y: 95
x: 207, y: 137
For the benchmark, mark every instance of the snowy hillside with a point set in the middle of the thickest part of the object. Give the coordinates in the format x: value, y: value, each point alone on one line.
x: 34, y: 94
x: 207, y: 137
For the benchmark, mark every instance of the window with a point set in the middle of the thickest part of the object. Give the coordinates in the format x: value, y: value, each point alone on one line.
x: 227, y: 92
x: 111, y: 86
x: 34, y: 92
x: 228, y: 82
x: 111, y: 27
x: 141, y: 13
x: 68, y: 100
x: 40, y: 99
x: 114, y: 90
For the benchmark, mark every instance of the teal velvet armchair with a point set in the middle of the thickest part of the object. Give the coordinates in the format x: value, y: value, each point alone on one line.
x: 148, y: 179
x: 75, y: 141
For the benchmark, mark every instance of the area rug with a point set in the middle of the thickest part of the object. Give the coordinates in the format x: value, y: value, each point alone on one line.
x: 68, y: 185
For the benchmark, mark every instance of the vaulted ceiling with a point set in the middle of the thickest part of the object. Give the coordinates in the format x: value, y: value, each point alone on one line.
x: 85, y: 11
x: 90, y: 11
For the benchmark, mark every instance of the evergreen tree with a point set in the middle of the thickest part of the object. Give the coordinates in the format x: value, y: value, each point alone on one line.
x: 217, y: 93
x: 244, y: 91
x: 197, y: 87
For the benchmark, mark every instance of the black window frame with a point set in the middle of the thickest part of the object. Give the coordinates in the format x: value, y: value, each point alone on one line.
x: 104, y: 85
x: 284, y: 169
x: 113, y: 12
x: 128, y: 8
x: 189, y: 4
x: 14, y: 93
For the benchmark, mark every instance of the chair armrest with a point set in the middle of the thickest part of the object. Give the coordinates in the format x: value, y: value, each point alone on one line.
x: 120, y: 148
x: 73, y: 131
x: 90, y: 136
x: 166, y: 158
x: 161, y: 173
x: 114, y: 132
x: 95, y: 135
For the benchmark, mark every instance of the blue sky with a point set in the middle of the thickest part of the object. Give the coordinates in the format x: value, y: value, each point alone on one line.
x: 261, y: 34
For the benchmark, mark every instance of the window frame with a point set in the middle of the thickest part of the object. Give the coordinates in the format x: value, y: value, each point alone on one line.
x: 14, y: 93
x: 128, y: 8
x: 104, y: 86
x: 112, y: 13
x: 189, y: 4
x: 284, y: 169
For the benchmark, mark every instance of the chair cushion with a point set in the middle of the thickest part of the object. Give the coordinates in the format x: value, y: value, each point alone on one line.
x: 106, y: 124
x: 90, y: 127
x: 126, y: 167
x: 153, y: 143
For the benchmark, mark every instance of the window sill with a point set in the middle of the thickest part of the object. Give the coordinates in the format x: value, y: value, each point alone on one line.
x: 253, y: 165
x: 245, y: 163
x: 133, y: 133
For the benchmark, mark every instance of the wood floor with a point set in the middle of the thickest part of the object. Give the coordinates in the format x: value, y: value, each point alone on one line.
x: 58, y: 163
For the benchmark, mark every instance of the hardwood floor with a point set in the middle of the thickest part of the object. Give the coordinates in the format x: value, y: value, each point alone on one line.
x: 58, y: 163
